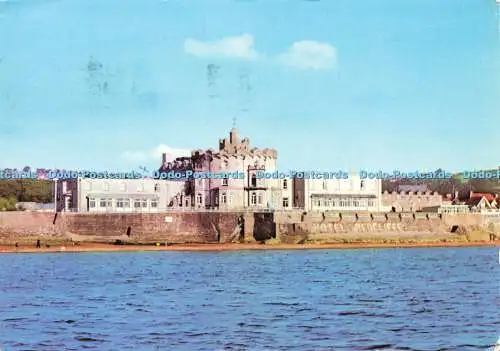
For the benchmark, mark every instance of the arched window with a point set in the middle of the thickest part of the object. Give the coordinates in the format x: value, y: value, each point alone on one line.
x: 253, y: 199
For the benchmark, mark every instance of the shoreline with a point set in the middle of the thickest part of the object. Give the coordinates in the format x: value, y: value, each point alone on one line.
x: 97, y: 247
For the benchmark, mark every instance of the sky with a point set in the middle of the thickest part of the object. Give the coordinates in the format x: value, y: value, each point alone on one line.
x: 331, y: 85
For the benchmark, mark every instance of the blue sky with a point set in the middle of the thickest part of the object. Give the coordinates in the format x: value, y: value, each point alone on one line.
x: 374, y: 84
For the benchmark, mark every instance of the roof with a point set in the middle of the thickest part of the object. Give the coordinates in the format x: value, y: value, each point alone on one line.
x: 488, y: 196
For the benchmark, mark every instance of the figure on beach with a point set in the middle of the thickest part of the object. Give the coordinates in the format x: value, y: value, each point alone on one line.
x: 38, y: 245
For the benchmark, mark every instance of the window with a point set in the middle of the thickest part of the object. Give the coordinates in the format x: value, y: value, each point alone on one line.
x: 254, y: 180
x: 122, y: 203
x: 92, y: 202
x: 137, y: 203
x: 106, y: 186
x: 342, y: 203
x: 355, y: 203
x: 154, y: 203
x: 333, y: 203
x: 253, y: 199
x: 285, y: 185
x: 260, y: 199
x: 144, y: 203
x: 157, y: 187
x: 106, y: 203
x: 230, y: 199
x: 370, y: 203
x: 285, y: 201
x: 224, y: 181
x: 223, y: 198
x: 318, y: 203
x: 199, y: 199
x: 362, y: 185
x: 324, y: 185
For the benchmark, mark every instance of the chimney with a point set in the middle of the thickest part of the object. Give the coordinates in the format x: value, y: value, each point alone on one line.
x: 163, y: 158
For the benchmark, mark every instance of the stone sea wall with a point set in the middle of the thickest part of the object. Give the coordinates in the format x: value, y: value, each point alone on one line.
x: 299, y: 227
x: 172, y: 227
x: 224, y: 227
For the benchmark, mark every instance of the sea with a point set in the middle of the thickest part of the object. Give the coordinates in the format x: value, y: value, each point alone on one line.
x: 361, y: 299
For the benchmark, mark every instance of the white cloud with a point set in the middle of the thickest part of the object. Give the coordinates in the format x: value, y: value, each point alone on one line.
x: 309, y: 54
x: 239, y: 47
x: 156, y: 153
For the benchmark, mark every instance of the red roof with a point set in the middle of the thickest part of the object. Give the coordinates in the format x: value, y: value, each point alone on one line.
x: 488, y: 197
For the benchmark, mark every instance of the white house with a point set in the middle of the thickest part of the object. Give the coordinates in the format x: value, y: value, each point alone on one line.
x: 351, y: 194
x: 115, y: 195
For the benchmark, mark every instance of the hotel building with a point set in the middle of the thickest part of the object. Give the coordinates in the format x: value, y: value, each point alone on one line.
x: 248, y: 191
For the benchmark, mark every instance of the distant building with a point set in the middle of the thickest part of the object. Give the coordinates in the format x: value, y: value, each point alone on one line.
x: 34, y: 206
x: 411, y: 199
x: 481, y: 201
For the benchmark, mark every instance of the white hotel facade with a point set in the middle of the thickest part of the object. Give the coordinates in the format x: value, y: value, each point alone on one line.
x: 248, y: 192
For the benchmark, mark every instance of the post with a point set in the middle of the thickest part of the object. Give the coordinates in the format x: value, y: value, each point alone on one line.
x: 55, y: 194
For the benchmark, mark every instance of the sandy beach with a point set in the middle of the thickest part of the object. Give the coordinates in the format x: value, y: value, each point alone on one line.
x: 97, y: 247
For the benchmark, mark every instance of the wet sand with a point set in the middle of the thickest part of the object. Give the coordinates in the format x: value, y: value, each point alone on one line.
x: 90, y: 247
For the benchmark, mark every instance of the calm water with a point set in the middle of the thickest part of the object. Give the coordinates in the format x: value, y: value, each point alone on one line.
x: 405, y: 299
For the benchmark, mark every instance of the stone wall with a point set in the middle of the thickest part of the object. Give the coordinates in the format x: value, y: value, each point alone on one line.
x: 173, y: 227
x: 296, y: 227
x: 223, y: 227
x: 26, y: 223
